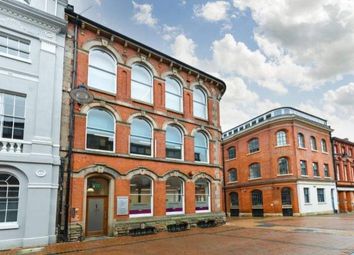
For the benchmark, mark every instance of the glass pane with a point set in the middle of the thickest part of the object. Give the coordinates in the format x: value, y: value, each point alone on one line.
x: 140, y: 127
x: 200, y: 140
x: 12, y: 52
x: 200, y: 154
x: 24, y: 46
x: 99, y: 142
x: 173, y: 135
x: 173, y: 86
x: 173, y: 102
x: 201, y: 202
x: 100, y: 120
x: 141, y: 75
x: 101, y: 80
x: 3, y: 40
x: 13, y: 192
x: 24, y: 54
x: 13, y: 43
x: 12, y: 203
x: 199, y: 96
x: 97, y: 186
x: 3, y: 203
x: 9, y: 104
x: 11, y: 216
x: 102, y: 60
x: 3, y: 49
x: 3, y: 191
x: 141, y: 92
x: 18, y: 133
x: 7, y: 132
x: 95, y: 214
x: 174, y: 203
x: 19, y: 106
x: 140, y: 204
x: 2, y: 216
x: 199, y: 110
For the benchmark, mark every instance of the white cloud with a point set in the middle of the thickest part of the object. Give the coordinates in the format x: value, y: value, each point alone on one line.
x: 342, y: 96
x: 213, y: 11
x: 143, y: 14
x: 183, y: 48
x: 170, y: 32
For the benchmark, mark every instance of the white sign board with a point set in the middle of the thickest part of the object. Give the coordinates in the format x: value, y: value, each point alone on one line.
x: 122, y: 205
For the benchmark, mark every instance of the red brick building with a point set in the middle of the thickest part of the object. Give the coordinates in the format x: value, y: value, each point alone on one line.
x: 279, y: 163
x: 148, y: 148
x: 344, y: 167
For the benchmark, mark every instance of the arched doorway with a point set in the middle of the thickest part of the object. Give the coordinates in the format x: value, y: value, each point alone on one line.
x: 286, y: 202
x: 97, y: 206
x: 257, y: 203
x: 234, y: 204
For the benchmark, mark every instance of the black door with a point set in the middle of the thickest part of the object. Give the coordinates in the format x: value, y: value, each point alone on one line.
x: 234, y: 209
x: 257, y: 203
x: 286, y: 202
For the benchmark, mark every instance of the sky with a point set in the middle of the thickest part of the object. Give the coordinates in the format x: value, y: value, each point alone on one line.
x: 270, y: 53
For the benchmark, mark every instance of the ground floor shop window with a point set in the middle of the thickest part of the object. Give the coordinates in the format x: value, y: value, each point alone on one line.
x: 9, y: 191
x: 174, y: 196
x: 140, y: 196
x: 202, y: 195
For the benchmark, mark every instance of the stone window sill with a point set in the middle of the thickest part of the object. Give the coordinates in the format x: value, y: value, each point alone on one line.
x: 252, y: 153
x: 9, y: 225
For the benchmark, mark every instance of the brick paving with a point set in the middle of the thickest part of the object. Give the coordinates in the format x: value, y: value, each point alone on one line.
x: 298, y: 235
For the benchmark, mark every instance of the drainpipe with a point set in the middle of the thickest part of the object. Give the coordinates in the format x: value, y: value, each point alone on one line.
x: 223, y: 175
x: 334, y: 167
x: 71, y: 135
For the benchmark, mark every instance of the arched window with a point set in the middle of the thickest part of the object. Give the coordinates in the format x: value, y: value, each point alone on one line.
x: 174, y: 142
x: 255, y: 170
x: 173, y: 94
x: 100, y: 130
x: 174, y: 195
x: 301, y: 140
x: 232, y: 175
x: 102, y: 71
x: 283, y: 166
x: 142, y: 83
x: 200, y: 147
x: 140, y: 196
x: 257, y: 198
x: 9, y: 198
x: 232, y: 152
x: 323, y: 145
x: 281, y: 138
x: 253, y: 145
x: 313, y: 143
x: 200, y: 108
x: 202, y: 195
x: 140, y: 137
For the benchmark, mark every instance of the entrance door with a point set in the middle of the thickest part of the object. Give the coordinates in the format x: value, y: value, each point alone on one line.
x: 234, y: 209
x: 96, y: 206
x: 257, y: 203
x: 286, y: 202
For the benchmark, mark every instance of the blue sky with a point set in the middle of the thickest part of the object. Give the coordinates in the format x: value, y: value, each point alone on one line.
x: 269, y: 52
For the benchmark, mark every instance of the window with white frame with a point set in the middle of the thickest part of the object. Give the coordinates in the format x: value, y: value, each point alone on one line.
x: 12, y: 116
x: 9, y: 198
x: 232, y: 175
x: 174, y: 195
x: 283, y: 165
x: 281, y: 138
x: 200, y: 147
x: 320, y: 195
x: 140, y: 137
x: 323, y: 145
x: 202, y: 195
x: 174, y: 94
x: 313, y: 143
x: 141, y: 196
x: 253, y: 145
x: 303, y: 167
x: 200, y: 108
x: 102, y: 71
x: 326, y: 170
x: 14, y: 47
x: 174, y: 142
x: 142, y: 83
x: 301, y: 140
x: 100, y: 132
x: 255, y: 171
x: 315, y: 169
x: 307, y: 195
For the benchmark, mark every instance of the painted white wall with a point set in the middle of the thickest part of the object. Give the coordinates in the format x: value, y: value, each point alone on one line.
x: 315, y: 207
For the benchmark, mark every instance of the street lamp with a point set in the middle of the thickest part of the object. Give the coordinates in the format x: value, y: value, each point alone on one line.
x: 81, y: 94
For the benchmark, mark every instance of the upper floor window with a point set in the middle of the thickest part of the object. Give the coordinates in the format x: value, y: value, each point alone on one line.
x: 174, y: 142
x: 14, y: 47
x: 200, y: 108
x: 313, y: 143
x: 315, y: 169
x: 301, y: 140
x: 200, y: 147
x: 350, y: 152
x: 173, y: 94
x: 323, y: 145
x: 102, y: 71
x: 100, y: 130
x: 326, y: 170
x: 232, y: 175
x: 255, y: 170
x: 12, y: 116
x: 281, y: 138
x: 141, y: 137
x: 9, y: 196
x: 283, y: 166
x: 142, y: 84
x: 343, y: 149
x: 232, y: 152
x: 303, y: 167
x: 253, y: 145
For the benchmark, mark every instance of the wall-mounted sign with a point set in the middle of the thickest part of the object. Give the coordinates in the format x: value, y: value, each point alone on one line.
x: 122, y: 205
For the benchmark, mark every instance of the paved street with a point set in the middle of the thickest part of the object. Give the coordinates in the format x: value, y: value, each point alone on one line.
x: 298, y: 235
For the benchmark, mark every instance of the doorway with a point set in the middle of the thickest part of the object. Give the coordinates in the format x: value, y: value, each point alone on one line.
x: 96, y: 206
x: 257, y: 203
x: 286, y: 202
x: 234, y: 204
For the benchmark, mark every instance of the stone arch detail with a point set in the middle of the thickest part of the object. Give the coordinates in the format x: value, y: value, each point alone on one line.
x: 206, y: 90
x: 203, y: 130
x: 175, y: 173
x: 138, y: 114
x: 203, y: 175
x: 141, y: 171
x: 143, y: 61
x: 15, y: 171
x: 176, y: 123
x: 86, y: 108
x: 176, y: 76
x: 103, y: 44
x: 97, y: 169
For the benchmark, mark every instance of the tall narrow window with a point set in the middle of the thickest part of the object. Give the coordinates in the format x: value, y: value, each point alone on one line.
x: 326, y: 170
x: 142, y: 84
x: 313, y: 143
x: 200, y: 147
x: 14, y: 47
x: 140, y: 196
x: 12, y: 116
x: 301, y: 140
x: 9, y: 198
x: 323, y: 145
x: 320, y: 195
x: 202, y: 195
x: 257, y: 198
x: 283, y: 166
x: 232, y: 175
x: 174, y: 142
x: 281, y: 138
x: 303, y: 167
x: 253, y: 145
x: 307, y: 195
x: 255, y: 171
x: 140, y: 137
x: 102, y: 71
x: 232, y: 152
x: 174, y: 195
x: 315, y: 169
x: 200, y: 103
x: 173, y: 94
x: 100, y: 130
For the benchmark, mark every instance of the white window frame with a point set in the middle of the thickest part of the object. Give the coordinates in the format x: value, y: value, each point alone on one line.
x: 324, y: 144
x: 143, y: 84
x: 313, y: 143
x: 11, y: 224
x: 207, y: 152
x: 281, y: 137
x: 179, y: 96
x: 209, y: 198
x: 303, y: 140
x: 182, y: 143
x: 152, y: 140
x: 206, y: 103
x: 15, y: 38
x: 183, y: 200
x: 151, y: 202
